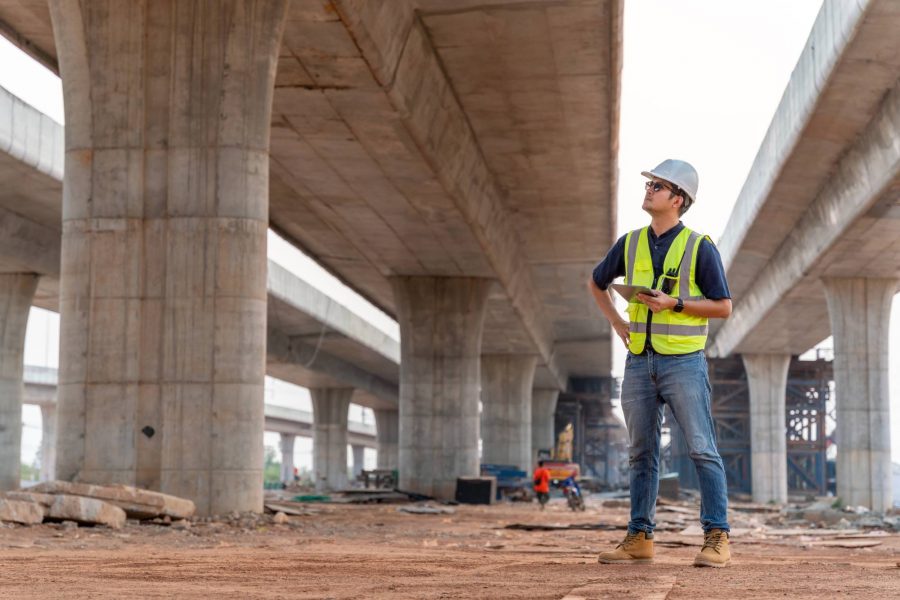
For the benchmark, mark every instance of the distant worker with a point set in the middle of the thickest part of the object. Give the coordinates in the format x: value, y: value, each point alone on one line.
x: 296, y: 475
x: 665, y: 338
x: 542, y: 483
x: 564, y: 445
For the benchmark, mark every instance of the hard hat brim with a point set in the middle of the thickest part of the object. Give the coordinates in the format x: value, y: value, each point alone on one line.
x: 651, y: 175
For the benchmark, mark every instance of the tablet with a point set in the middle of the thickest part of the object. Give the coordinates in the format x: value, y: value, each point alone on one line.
x: 630, y: 291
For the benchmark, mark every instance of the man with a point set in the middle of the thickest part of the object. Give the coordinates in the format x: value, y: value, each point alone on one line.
x: 542, y: 483
x: 666, y: 364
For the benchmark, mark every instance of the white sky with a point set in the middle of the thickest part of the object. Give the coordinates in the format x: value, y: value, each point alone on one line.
x: 701, y: 81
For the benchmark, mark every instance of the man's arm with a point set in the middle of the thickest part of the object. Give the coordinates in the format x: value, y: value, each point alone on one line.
x: 711, y: 309
x: 603, y: 300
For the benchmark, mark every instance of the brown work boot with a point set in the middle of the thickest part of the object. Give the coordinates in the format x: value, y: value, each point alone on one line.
x: 635, y: 548
x: 715, y: 552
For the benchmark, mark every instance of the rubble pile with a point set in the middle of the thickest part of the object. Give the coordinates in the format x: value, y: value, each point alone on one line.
x: 56, y: 501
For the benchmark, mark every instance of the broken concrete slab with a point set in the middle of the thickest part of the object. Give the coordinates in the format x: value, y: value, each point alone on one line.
x: 19, y: 511
x: 137, y: 503
x: 86, y: 510
x: 44, y: 500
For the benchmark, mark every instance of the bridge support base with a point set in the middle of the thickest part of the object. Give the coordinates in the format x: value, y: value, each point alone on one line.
x: 767, y: 377
x: 543, y: 411
x: 441, y: 321
x: 860, y: 310
x: 330, y: 406
x: 16, y: 294
x: 506, y: 382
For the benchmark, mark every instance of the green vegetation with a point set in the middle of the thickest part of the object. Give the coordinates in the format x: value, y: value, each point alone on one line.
x: 272, y: 468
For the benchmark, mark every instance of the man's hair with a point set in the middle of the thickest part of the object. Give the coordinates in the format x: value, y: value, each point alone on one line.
x: 540, y: 463
x: 686, y: 200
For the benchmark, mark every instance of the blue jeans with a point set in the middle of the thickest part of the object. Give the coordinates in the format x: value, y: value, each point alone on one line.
x: 682, y: 381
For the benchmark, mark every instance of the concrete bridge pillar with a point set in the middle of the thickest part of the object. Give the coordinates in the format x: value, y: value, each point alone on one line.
x: 330, y: 406
x: 165, y: 213
x: 48, y: 442
x: 860, y: 311
x: 359, y: 453
x: 441, y: 321
x: 767, y: 376
x: 387, y: 430
x: 506, y: 382
x: 16, y: 294
x: 543, y: 409
x: 287, y: 457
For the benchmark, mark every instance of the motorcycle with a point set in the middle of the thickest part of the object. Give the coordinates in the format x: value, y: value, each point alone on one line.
x: 573, y: 495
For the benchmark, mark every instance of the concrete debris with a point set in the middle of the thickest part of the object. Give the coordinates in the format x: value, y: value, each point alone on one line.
x: 296, y: 509
x: 279, y: 518
x: 44, y: 500
x: 426, y: 510
x: 137, y: 503
x: 23, y: 512
x: 86, y: 510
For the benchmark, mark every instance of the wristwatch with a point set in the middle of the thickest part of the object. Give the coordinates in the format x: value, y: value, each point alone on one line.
x: 679, y: 305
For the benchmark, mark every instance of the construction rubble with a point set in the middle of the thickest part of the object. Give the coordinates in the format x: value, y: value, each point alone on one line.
x: 87, y: 504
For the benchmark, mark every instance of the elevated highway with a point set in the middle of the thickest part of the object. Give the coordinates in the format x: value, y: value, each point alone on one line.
x: 812, y: 248
x: 465, y: 196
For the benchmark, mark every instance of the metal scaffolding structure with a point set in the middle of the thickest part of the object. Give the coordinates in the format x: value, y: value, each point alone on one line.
x: 807, y: 405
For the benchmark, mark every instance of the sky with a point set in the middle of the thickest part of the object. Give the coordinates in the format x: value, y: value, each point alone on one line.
x: 701, y: 81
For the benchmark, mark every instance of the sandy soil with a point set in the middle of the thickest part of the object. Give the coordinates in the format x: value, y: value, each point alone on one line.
x: 374, y: 551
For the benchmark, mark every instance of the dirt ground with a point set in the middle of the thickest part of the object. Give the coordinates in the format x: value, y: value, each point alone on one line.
x: 375, y: 551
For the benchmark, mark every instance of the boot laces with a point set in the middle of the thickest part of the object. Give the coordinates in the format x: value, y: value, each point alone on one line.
x: 714, y: 540
x: 630, y: 539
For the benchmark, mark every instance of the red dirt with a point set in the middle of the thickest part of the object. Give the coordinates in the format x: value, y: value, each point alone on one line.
x: 374, y: 551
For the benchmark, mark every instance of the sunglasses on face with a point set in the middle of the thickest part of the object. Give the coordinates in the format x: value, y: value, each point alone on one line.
x: 656, y: 186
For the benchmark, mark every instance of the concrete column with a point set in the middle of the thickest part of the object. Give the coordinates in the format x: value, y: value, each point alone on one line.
x: 358, y: 460
x: 387, y: 429
x: 330, y: 406
x: 441, y: 320
x: 767, y: 376
x: 16, y: 294
x: 163, y: 274
x: 287, y: 457
x: 506, y: 381
x: 860, y: 312
x: 48, y: 442
x: 543, y: 410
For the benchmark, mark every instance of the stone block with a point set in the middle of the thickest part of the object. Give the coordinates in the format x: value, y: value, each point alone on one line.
x: 86, y: 510
x: 137, y: 503
x: 20, y: 511
x: 44, y: 500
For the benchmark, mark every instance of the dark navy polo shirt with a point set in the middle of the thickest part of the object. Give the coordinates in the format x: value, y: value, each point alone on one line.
x: 709, y: 272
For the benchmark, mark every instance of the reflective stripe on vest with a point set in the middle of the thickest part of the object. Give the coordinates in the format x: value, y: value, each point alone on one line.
x: 673, y: 333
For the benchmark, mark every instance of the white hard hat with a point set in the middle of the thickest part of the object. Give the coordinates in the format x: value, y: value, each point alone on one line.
x: 679, y: 173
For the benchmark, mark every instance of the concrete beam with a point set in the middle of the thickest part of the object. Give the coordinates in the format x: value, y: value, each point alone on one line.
x: 26, y: 246
x: 296, y: 292
x: 836, y: 23
x: 30, y: 136
x: 294, y: 352
x: 396, y: 45
x: 859, y: 180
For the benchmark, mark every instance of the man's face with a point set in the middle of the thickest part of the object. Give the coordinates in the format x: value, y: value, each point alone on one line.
x: 658, y: 196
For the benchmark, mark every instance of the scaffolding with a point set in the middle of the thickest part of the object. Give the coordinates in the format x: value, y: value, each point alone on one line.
x: 809, y: 418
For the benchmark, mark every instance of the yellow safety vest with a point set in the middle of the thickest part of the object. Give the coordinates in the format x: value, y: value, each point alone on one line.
x: 672, y: 332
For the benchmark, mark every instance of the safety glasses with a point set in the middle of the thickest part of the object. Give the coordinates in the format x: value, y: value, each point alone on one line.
x: 656, y: 186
